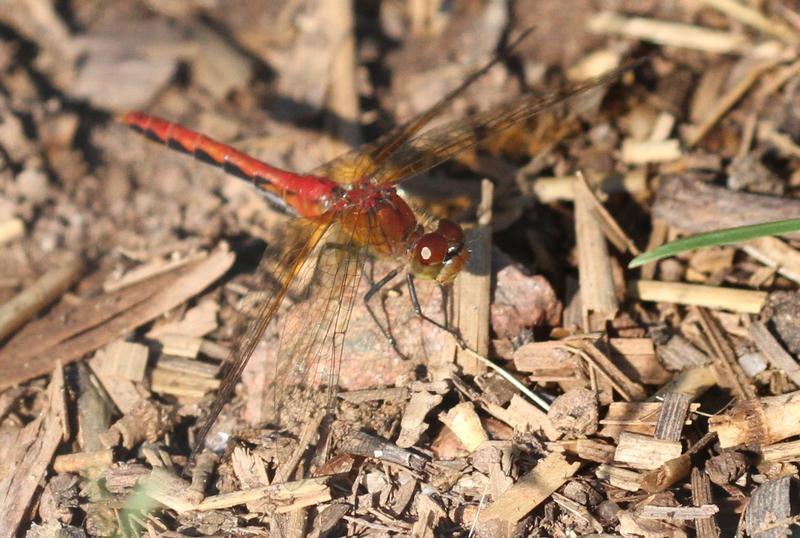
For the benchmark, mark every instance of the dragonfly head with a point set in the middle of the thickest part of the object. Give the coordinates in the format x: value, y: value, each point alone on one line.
x: 439, y: 255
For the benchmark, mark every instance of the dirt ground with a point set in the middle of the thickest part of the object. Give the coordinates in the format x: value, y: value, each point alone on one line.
x: 591, y: 399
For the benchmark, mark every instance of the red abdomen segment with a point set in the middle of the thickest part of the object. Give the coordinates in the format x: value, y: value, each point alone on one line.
x: 307, y: 195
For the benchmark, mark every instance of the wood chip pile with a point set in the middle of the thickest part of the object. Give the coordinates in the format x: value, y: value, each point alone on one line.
x: 594, y: 399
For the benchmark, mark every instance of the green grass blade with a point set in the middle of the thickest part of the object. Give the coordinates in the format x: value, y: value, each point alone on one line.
x: 716, y: 238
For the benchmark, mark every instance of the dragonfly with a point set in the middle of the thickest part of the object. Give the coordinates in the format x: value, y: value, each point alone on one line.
x: 348, y: 210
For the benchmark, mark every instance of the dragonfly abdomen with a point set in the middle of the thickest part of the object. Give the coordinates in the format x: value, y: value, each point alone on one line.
x: 308, y: 196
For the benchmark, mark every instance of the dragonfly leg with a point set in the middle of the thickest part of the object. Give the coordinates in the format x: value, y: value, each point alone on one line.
x: 376, y: 287
x: 412, y: 292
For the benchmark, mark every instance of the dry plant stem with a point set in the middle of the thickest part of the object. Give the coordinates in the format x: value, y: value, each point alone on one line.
x: 608, y: 223
x: 747, y: 15
x: 782, y: 142
x: 343, y: 94
x: 472, y: 289
x: 286, y: 470
x: 678, y: 512
x: 598, y: 362
x: 727, y: 101
x: 511, y: 379
x: 30, y: 457
x: 772, y: 350
x: 44, y: 291
x: 726, y: 364
x: 288, y: 497
x: 658, y: 236
x: 735, y: 300
x: 598, y: 297
x: 150, y: 270
x: 669, y: 33
x: 758, y: 422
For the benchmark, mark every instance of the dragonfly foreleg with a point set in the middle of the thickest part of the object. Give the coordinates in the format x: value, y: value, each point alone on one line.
x: 375, y: 288
x: 412, y: 293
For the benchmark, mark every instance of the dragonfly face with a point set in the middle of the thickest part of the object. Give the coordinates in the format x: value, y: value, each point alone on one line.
x: 439, y: 255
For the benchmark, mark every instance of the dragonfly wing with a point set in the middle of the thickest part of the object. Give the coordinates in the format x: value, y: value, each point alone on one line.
x: 313, y: 330
x: 365, y: 160
x: 443, y: 142
x: 302, y: 239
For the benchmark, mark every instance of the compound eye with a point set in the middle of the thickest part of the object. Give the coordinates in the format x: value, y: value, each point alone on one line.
x: 431, y: 249
x: 450, y: 231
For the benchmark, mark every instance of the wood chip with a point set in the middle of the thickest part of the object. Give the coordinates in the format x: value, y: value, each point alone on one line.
x: 27, y: 464
x: 769, y: 513
x: 93, y: 328
x: 778, y: 357
x: 501, y: 516
x: 645, y: 452
x: 465, y: 423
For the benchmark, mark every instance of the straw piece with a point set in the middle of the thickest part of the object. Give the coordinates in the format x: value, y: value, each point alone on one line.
x: 669, y: 33
x: 598, y: 296
x: 650, y: 151
x: 80, y: 461
x: 11, y: 229
x: 745, y: 301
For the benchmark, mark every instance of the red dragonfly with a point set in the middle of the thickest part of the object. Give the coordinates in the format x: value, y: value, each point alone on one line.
x: 349, y: 209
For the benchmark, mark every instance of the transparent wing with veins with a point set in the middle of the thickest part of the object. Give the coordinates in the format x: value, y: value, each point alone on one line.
x: 403, y: 152
x: 323, y: 273
x: 443, y: 142
x: 302, y: 240
x: 365, y: 160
